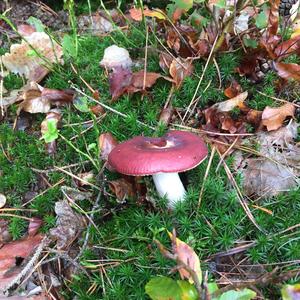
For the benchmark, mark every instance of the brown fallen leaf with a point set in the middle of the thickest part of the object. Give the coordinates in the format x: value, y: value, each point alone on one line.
x: 95, y: 24
x: 13, y: 254
x: 119, y: 81
x: 122, y: 188
x: 273, y: 118
x: 287, y: 71
x: 228, y: 105
x: 97, y: 110
x: 233, y: 90
x: 34, y: 225
x: 165, y: 61
x: 85, y: 178
x: 5, y: 236
x: 165, y: 115
x: 25, y: 29
x: 69, y: 225
x: 37, y: 99
x: 106, y: 143
x: 75, y: 195
x: 137, y: 13
x: 23, y: 60
x: 139, y: 81
x: 180, y: 69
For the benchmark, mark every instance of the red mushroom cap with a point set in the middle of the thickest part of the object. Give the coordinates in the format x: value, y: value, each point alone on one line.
x: 177, y: 151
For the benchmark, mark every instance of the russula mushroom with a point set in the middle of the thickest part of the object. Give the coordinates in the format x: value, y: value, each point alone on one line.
x: 163, y: 158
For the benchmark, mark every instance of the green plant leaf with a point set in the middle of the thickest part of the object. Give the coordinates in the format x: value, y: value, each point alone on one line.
x: 163, y: 288
x: 188, y: 290
x: 245, y: 294
x: 69, y: 46
x: 51, y: 133
x: 291, y: 292
x: 221, y: 3
x: 81, y: 104
x: 36, y: 23
x: 261, y: 21
x: 250, y: 43
x: 212, y: 288
x: 184, y: 4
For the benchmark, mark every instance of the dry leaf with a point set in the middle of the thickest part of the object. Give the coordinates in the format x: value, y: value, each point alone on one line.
x: 233, y: 90
x: 122, y: 188
x: 97, y: 110
x: 165, y: 115
x: 86, y: 177
x: 228, y: 105
x: 12, y: 254
x: 34, y: 225
x: 165, y: 61
x: 139, y: 78
x: 25, y: 29
x: 137, y: 14
x: 69, y: 225
x: 5, y: 236
x: 186, y: 255
x: 119, y: 80
x: 23, y: 60
x: 106, y: 143
x: 75, y: 195
x: 273, y: 118
x: 180, y: 69
x: 287, y: 71
x: 96, y: 24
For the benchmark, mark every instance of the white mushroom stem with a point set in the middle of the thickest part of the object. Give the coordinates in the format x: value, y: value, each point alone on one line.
x: 169, y: 185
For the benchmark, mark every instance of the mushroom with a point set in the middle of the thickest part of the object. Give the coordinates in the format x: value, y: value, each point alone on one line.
x: 163, y: 158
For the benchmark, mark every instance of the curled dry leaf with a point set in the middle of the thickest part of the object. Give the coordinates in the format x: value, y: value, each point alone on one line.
x: 14, y: 252
x: 96, y: 24
x: 273, y: 118
x: 86, y: 177
x: 69, y: 225
x: 233, y: 90
x: 228, y: 105
x: 23, y: 60
x: 25, y: 29
x: 2, y: 200
x: 186, y: 255
x: 180, y: 69
x: 75, y: 195
x: 34, y: 225
x: 166, y: 115
x: 277, y: 169
x: 165, y: 61
x: 119, y: 80
x: 97, y: 110
x: 106, y: 143
x: 5, y: 235
x: 122, y: 188
x: 37, y: 99
x: 287, y: 71
x: 137, y: 13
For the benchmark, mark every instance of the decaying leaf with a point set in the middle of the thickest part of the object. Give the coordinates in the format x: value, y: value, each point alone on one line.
x: 187, y: 255
x: 278, y: 167
x: 106, y: 143
x: 165, y: 115
x: 233, y: 90
x: 95, y: 24
x: 34, y: 225
x: 75, y: 195
x: 34, y: 57
x: 13, y: 254
x: 287, y: 71
x: 5, y: 235
x: 85, y: 178
x: 122, y: 188
x: 140, y: 80
x: 69, y: 225
x: 137, y: 13
x: 228, y: 105
x: 37, y: 99
x: 273, y: 118
x: 179, y: 70
x: 119, y: 80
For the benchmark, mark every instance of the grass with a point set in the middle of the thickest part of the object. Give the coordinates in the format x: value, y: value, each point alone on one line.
x: 220, y: 222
